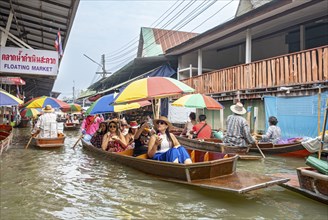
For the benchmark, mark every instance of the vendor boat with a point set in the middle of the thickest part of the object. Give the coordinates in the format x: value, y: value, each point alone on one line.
x: 72, y: 126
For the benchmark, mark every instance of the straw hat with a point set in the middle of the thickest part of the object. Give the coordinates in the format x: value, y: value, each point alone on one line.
x: 134, y: 124
x: 48, y: 109
x: 163, y: 118
x: 238, y: 108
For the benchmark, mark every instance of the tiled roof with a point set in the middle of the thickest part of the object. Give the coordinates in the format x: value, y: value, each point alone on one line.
x: 154, y: 42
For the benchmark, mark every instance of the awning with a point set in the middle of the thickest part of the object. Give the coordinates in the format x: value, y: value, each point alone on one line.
x: 12, y: 81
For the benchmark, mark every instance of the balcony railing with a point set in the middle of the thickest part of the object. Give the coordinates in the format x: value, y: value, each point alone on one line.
x: 304, y: 67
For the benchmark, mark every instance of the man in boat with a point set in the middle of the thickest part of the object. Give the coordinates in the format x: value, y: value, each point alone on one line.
x: 46, y: 124
x: 202, y: 129
x: 238, y: 131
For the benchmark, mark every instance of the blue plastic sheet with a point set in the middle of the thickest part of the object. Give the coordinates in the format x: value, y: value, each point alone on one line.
x: 297, y: 116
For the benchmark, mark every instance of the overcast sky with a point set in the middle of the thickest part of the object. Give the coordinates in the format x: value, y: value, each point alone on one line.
x: 112, y: 28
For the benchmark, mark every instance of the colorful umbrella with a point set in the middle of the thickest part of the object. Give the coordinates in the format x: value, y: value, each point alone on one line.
x: 105, y: 105
x: 152, y: 88
x: 42, y: 101
x: 30, y: 112
x: 8, y: 99
x: 72, y: 108
x: 198, y: 101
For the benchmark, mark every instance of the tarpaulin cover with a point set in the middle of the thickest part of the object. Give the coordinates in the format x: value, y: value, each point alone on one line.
x: 297, y: 116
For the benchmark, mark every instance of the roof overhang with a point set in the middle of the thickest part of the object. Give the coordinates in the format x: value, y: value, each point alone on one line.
x: 270, y: 18
x: 136, y: 67
x: 36, y: 23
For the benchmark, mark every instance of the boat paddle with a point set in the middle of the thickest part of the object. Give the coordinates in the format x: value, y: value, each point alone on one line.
x: 78, y: 141
x: 257, y: 145
x: 28, y: 143
x: 87, y: 128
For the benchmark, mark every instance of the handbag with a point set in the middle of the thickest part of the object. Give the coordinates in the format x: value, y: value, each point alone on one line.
x: 194, y: 136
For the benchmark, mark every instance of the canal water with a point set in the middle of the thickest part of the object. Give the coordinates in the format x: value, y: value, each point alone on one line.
x: 77, y: 184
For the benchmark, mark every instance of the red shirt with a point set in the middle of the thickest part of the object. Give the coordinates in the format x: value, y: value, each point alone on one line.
x: 206, y: 132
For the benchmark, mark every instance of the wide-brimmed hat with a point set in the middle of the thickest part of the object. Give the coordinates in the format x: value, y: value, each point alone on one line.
x: 238, y: 108
x: 163, y: 118
x: 134, y: 124
x: 48, y: 108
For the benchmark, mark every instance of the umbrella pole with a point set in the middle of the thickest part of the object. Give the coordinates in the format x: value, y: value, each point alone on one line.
x: 323, y: 131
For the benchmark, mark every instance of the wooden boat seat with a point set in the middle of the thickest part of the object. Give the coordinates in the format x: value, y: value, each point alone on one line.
x: 203, y: 156
x: 143, y: 156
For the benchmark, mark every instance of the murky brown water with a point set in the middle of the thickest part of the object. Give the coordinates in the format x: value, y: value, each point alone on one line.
x: 68, y: 184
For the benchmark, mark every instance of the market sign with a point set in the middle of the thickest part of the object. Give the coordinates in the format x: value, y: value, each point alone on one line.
x: 28, y: 61
x: 12, y: 80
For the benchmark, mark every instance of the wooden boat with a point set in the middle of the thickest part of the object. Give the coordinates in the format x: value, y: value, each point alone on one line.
x: 309, y: 183
x: 6, y: 137
x: 50, y: 142
x: 288, y: 150
x: 72, y: 126
x: 213, y: 170
x: 215, y: 145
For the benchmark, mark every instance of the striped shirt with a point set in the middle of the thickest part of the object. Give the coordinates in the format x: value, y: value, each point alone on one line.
x: 238, y: 132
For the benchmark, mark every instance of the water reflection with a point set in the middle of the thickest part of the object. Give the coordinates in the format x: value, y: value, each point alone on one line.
x: 77, y: 184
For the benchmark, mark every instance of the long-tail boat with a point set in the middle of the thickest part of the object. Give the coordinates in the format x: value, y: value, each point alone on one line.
x: 6, y: 136
x: 212, y: 170
x: 287, y: 150
x: 72, y: 126
x: 308, y: 182
x: 215, y: 145
x: 55, y: 142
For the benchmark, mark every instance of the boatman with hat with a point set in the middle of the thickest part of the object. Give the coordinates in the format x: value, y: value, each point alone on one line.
x: 238, y: 131
x: 47, y: 123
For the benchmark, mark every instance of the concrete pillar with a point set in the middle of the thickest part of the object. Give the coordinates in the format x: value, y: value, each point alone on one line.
x: 248, y: 49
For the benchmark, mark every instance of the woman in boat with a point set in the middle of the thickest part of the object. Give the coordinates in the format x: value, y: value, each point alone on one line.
x: 75, y: 120
x: 114, y: 140
x: 129, y: 137
x: 141, y: 139
x: 273, y: 133
x: 164, y: 146
x: 189, y: 125
x: 97, y: 138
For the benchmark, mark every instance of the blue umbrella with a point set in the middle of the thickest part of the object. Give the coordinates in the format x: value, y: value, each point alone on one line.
x: 105, y: 105
x: 8, y: 99
x: 102, y: 105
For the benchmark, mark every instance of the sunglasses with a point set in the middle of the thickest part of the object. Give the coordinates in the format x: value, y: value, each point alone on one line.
x: 161, y: 123
x: 112, y: 126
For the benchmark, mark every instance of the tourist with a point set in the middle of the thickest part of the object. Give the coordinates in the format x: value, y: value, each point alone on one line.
x: 113, y: 140
x: 129, y: 137
x: 97, y: 137
x: 201, y: 130
x: 164, y: 146
x: 141, y: 139
x: 189, y: 125
x: 238, y: 132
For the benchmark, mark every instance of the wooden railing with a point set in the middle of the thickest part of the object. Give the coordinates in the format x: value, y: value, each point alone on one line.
x: 304, y: 67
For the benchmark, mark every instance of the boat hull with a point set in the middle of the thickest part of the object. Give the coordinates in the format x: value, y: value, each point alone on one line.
x: 6, y: 137
x: 217, y: 173
x: 71, y: 126
x: 287, y: 150
x: 215, y: 145
x: 50, y: 142
x: 308, y: 183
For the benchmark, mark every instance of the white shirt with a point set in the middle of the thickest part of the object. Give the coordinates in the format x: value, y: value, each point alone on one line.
x: 165, y: 145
